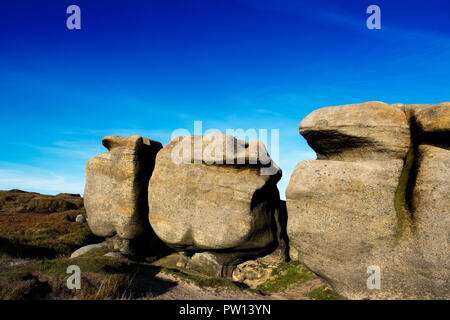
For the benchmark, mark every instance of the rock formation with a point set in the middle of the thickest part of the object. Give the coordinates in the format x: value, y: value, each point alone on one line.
x: 377, y: 195
x: 115, y: 195
x: 217, y: 194
x: 376, y: 199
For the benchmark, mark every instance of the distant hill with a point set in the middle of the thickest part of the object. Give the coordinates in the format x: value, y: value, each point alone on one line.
x: 21, y: 201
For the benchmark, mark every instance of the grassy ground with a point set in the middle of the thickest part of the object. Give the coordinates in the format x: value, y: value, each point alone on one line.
x: 28, y: 235
x: 35, y: 250
x: 283, y: 277
x: 21, y: 201
x: 107, y: 278
x: 324, y: 293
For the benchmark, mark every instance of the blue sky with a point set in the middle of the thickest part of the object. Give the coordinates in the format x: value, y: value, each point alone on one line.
x: 152, y: 67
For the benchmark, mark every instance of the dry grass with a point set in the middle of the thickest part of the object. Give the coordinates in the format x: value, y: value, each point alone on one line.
x: 34, y: 249
x: 25, y: 233
x: 21, y: 201
x: 22, y: 286
x: 102, y: 278
x: 110, y: 287
x: 42, y: 235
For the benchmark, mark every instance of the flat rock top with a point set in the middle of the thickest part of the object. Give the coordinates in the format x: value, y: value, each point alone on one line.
x: 217, y: 148
x: 432, y: 118
x: 133, y: 142
x: 365, y: 131
x: 367, y: 114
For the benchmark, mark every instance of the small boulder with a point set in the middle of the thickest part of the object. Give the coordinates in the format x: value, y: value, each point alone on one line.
x: 115, y: 255
x: 251, y: 272
x: 80, y: 218
x: 88, y: 248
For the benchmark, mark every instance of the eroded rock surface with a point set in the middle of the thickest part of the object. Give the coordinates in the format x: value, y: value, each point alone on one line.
x: 218, y: 194
x: 115, y: 195
x: 377, y: 196
x: 359, y: 132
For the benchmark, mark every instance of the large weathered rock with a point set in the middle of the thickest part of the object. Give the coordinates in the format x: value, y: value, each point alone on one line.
x: 383, y: 204
x: 371, y: 130
x: 115, y: 195
x: 339, y: 212
x: 215, y: 193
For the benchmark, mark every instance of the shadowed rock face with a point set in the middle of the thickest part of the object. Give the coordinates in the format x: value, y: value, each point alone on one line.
x: 116, y: 186
x: 378, y: 195
x: 230, y: 208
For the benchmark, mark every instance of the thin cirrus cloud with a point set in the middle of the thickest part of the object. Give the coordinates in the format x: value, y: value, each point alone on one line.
x: 353, y: 16
x: 37, y: 179
x: 71, y: 150
x: 58, y: 166
x: 51, y: 168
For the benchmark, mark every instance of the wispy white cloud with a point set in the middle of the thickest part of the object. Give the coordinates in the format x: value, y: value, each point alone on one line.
x: 30, y: 178
x: 58, y: 166
x: 332, y: 13
x: 72, y: 150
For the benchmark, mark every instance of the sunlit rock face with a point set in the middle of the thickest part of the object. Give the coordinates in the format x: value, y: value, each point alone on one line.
x: 115, y: 195
x: 215, y: 193
x: 376, y: 198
